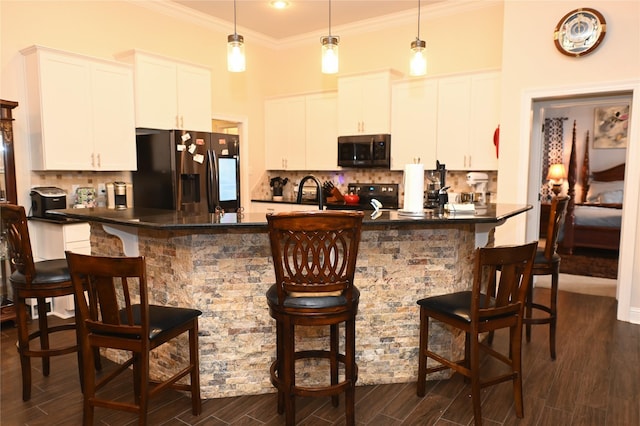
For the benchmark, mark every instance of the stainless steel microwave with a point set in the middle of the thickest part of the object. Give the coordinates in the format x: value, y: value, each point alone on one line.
x: 365, y: 151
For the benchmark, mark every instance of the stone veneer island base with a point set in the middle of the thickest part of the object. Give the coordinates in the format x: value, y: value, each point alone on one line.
x: 225, y: 272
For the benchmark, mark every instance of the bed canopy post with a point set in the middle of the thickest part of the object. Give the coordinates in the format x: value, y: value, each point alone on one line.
x: 572, y: 175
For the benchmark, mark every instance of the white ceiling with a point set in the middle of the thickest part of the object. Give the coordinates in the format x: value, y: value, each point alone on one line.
x: 302, y: 16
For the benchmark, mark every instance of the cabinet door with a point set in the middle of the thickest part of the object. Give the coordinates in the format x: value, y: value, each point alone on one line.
x: 155, y: 93
x: 376, y: 103
x: 453, y: 121
x: 322, y: 132
x: 414, y: 115
x: 65, y: 141
x: 194, y: 98
x: 484, y: 119
x: 285, y: 133
x: 349, y: 106
x: 114, y: 118
x: 364, y: 104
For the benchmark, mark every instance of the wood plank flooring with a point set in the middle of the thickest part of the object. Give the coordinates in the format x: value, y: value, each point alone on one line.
x: 594, y: 381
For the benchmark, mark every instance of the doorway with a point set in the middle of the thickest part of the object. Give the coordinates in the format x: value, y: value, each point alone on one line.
x: 628, y: 281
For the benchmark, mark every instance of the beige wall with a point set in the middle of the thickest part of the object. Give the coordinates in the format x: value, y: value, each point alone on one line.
x: 531, y: 66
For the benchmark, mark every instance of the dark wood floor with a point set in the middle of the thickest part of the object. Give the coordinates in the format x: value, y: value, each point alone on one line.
x: 594, y: 381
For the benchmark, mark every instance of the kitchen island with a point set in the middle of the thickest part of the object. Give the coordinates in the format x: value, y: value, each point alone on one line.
x: 221, y: 264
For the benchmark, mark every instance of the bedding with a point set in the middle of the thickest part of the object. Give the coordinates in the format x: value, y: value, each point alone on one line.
x: 595, y: 220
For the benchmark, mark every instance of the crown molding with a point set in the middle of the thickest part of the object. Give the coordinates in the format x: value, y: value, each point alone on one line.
x: 437, y: 10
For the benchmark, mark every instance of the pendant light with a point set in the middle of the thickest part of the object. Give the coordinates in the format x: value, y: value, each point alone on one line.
x: 330, y: 50
x: 235, y: 48
x: 418, y: 62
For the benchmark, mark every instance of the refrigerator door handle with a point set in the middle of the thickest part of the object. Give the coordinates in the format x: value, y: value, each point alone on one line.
x: 213, y: 200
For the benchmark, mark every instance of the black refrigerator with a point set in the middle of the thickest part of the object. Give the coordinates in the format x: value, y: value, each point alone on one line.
x: 194, y: 172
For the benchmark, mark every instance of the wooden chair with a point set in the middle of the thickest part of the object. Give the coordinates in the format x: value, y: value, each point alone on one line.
x: 110, y: 317
x: 314, y: 255
x: 474, y: 312
x: 547, y: 262
x: 34, y: 280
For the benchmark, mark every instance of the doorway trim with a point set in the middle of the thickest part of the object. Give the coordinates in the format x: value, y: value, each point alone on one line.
x: 629, y: 260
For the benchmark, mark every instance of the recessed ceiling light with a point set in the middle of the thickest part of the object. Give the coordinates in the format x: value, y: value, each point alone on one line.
x: 279, y: 4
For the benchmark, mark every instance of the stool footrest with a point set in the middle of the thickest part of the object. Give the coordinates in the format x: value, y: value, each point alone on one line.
x: 51, y: 351
x: 317, y: 390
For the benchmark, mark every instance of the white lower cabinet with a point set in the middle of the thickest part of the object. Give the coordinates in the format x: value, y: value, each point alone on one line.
x: 50, y: 241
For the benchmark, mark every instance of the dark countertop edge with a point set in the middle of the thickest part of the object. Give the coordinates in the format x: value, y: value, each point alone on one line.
x: 58, y: 220
x: 151, y: 219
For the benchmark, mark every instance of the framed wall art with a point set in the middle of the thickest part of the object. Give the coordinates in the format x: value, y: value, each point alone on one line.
x: 610, y: 127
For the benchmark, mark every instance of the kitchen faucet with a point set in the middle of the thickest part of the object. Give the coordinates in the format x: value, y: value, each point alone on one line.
x: 301, y: 185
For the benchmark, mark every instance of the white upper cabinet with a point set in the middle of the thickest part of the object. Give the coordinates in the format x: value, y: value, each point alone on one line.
x: 322, y: 131
x: 301, y: 132
x: 414, y: 123
x: 364, y: 103
x: 81, y: 112
x: 285, y: 133
x: 170, y: 94
x: 468, y: 115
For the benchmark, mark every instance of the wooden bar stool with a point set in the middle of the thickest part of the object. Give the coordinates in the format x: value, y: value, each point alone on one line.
x: 314, y: 256
x: 547, y: 262
x: 116, y: 314
x: 478, y: 311
x: 34, y: 280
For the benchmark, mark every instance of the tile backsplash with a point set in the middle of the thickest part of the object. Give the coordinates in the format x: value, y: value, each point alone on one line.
x: 69, y: 180
x: 456, y: 179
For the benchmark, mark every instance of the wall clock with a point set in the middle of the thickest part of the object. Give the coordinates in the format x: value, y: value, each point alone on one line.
x: 579, y: 32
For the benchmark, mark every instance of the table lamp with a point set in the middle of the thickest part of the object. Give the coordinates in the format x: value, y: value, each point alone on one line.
x: 556, y: 176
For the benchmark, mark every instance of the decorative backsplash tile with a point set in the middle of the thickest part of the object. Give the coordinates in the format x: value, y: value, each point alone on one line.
x: 456, y: 179
x: 68, y: 180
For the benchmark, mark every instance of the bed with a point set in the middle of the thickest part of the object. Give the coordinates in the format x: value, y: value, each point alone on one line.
x: 595, y: 220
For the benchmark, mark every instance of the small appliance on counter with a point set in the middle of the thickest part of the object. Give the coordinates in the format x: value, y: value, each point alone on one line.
x: 119, y: 195
x: 45, y: 198
x: 435, y: 193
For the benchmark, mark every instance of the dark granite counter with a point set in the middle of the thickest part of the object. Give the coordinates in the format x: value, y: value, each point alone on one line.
x: 171, y: 220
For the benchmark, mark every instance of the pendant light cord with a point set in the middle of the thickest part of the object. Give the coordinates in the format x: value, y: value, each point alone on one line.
x: 329, y: 18
x: 418, y: 37
x: 234, y: 17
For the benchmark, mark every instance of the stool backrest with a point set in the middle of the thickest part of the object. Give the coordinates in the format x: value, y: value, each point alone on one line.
x: 509, y: 287
x: 20, y: 255
x: 314, y: 253
x: 116, y: 307
x: 556, y: 219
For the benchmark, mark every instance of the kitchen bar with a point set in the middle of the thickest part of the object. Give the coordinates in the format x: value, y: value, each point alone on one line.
x: 221, y: 264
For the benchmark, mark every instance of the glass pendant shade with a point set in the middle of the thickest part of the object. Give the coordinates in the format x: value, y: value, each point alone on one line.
x: 235, y: 53
x: 329, y: 55
x: 418, y: 62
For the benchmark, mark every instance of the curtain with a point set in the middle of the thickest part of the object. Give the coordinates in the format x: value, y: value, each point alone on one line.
x: 553, y: 150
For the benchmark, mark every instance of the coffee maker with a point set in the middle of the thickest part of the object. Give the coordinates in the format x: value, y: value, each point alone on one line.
x: 435, y: 194
x: 119, y: 195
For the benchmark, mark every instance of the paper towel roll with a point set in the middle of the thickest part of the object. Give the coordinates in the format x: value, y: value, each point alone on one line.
x: 413, y: 188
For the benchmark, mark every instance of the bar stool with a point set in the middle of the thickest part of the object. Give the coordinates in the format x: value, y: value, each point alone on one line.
x: 495, y: 301
x: 39, y: 280
x: 547, y: 262
x: 314, y: 255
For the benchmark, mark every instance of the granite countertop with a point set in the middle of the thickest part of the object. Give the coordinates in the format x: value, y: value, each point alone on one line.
x: 173, y: 220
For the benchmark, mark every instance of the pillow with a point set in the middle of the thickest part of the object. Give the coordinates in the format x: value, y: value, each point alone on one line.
x: 611, y: 197
x: 597, y: 188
